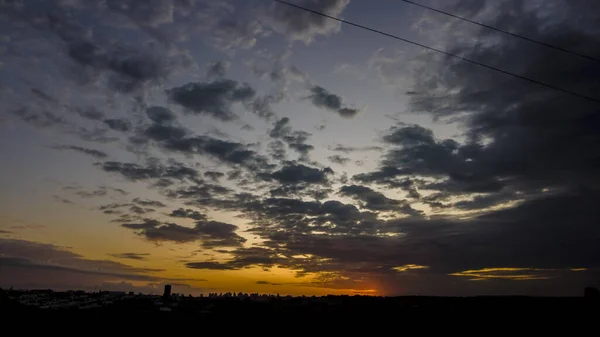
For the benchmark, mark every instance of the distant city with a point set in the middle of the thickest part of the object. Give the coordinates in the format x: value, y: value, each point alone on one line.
x: 217, y: 304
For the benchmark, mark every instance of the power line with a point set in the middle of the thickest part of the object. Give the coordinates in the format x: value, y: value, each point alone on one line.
x: 504, y: 31
x: 589, y: 98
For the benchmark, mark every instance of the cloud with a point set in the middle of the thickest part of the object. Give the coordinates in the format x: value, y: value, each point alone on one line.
x: 91, y: 152
x: 322, y: 98
x: 187, y: 213
x: 214, y: 176
x: 152, y: 170
x: 179, y: 139
x: 148, y: 202
x: 296, y: 174
x: 268, y: 283
x: 303, y: 26
x: 131, y: 256
x: 211, y: 233
x: 118, y: 124
x: 27, y: 226
x: 337, y: 159
x: 160, y: 115
x: 146, y: 224
x: 34, y: 265
x: 516, y: 274
x: 212, y: 98
x: 148, y: 13
x: 140, y: 210
x: 408, y: 267
x: 208, y: 265
x: 376, y: 201
x: 217, y: 69
x: 296, y: 140
x: 21, y: 254
x: 349, y: 149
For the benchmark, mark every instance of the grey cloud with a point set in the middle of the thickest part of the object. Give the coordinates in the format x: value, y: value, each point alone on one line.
x: 296, y: 140
x: 229, y: 34
x: 135, y: 172
x: 91, y: 152
x: 147, y: 202
x: 118, y: 124
x: 349, y: 149
x: 322, y: 98
x: 131, y: 256
x: 40, y: 257
x: 374, y: 200
x: 90, y: 113
x: 298, y: 173
x: 140, y: 210
x: 152, y: 13
x: 212, y: 98
x: 147, y: 224
x: 304, y: 26
x: 160, y: 115
x: 268, y: 283
x: 208, y: 265
x: 211, y: 233
x: 338, y: 159
x: 214, y: 176
x: 217, y: 69
x: 187, y: 213
x: 178, y: 139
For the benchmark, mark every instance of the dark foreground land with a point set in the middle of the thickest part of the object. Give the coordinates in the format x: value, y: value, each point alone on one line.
x: 299, y: 311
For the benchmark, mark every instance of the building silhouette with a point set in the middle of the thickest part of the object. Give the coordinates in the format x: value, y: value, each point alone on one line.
x: 167, y: 292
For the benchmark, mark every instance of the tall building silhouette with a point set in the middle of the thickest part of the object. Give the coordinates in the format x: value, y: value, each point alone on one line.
x: 167, y: 292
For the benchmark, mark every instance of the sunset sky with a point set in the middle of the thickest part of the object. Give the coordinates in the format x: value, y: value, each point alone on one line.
x: 250, y: 146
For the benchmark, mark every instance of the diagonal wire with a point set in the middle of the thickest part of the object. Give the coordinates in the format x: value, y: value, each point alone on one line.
x: 503, y: 31
x: 547, y: 85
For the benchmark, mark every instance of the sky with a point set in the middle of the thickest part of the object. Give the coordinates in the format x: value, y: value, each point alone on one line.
x: 250, y: 146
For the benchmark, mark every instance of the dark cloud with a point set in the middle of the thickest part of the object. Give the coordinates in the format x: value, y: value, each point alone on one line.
x: 268, y: 283
x: 376, y: 201
x: 304, y: 26
x: 201, y: 190
x: 322, y: 98
x: 338, y: 159
x: 188, y: 213
x: 140, y: 210
x: 296, y: 140
x: 122, y: 125
x: 113, y: 206
x: 91, y: 152
x: 178, y: 139
x: 100, y: 192
x: 147, y: 224
x: 520, y: 139
x: 152, y: 170
x: 208, y: 265
x: 131, y: 256
x: 160, y: 115
x: 213, y: 98
x: 214, y: 176
x: 90, y: 113
x: 247, y: 127
x: 298, y: 174
x: 147, y: 202
x: 217, y: 69
x: 349, y: 149
x: 43, y: 259
x: 212, y: 234
x: 62, y: 200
